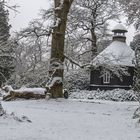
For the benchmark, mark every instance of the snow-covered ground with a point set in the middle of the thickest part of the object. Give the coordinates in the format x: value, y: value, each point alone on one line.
x: 70, y: 119
x: 112, y: 95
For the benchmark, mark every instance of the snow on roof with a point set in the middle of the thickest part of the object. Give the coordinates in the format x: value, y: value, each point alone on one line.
x: 117, y: 53
x: 119, y: 27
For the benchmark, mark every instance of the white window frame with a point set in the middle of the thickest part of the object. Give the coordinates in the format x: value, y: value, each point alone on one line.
x: 106, y: 77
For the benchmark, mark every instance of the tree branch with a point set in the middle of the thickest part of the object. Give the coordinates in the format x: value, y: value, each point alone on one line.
x: 74, y: 62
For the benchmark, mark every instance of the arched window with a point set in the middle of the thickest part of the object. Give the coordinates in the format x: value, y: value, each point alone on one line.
x: 106, y: 77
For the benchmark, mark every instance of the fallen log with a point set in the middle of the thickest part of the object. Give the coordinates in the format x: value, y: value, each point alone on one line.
x: 27, y: 93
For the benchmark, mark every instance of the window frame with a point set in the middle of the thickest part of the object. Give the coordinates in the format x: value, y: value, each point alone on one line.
x: 106, y: 77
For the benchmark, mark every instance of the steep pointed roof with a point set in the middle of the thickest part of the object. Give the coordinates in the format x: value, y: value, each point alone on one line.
x: 117, y: 53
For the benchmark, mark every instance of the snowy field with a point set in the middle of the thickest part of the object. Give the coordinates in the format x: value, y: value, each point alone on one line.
x: 70, y: 119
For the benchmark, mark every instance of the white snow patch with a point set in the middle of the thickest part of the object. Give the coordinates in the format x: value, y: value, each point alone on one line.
x: 70, y: 120
x: 119, y: 27
x: 21, y: 90
x: 117, y: 53
x: 34, y: 90
x: 53, y: 81
x: 7, y: 88
x: 112, y: 95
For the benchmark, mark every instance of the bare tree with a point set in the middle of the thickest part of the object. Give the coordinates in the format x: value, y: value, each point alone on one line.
x: 90, y: 19
x: 132, y: 11
x: 135, y: 44
x: 31, y: 52
x: 87, y: 26
x: 56, y: 70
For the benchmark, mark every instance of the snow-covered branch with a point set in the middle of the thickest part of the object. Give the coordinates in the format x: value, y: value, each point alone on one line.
x: 76, y: 63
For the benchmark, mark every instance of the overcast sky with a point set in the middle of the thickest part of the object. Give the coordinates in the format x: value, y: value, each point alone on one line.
x: 29, y: 10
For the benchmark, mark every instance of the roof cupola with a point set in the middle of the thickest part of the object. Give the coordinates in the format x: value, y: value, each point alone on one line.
x: 119, y: 33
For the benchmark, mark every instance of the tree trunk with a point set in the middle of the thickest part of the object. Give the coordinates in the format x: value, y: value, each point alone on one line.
x: 94, y: 48
x: 1, y: 110
x: 57, y: 47
x: 137, y: 73
x: 94, y: 40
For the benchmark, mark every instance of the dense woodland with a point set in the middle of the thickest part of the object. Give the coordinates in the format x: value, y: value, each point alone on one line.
x: 58, y: 45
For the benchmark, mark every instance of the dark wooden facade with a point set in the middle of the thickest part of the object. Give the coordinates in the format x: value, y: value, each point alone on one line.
x: 96, y: 80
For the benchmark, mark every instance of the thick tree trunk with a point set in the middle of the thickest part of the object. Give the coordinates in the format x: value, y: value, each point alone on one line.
x: 57, y: 48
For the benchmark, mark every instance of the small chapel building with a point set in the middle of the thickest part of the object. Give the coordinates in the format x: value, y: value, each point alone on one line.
x: 117, y: 55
